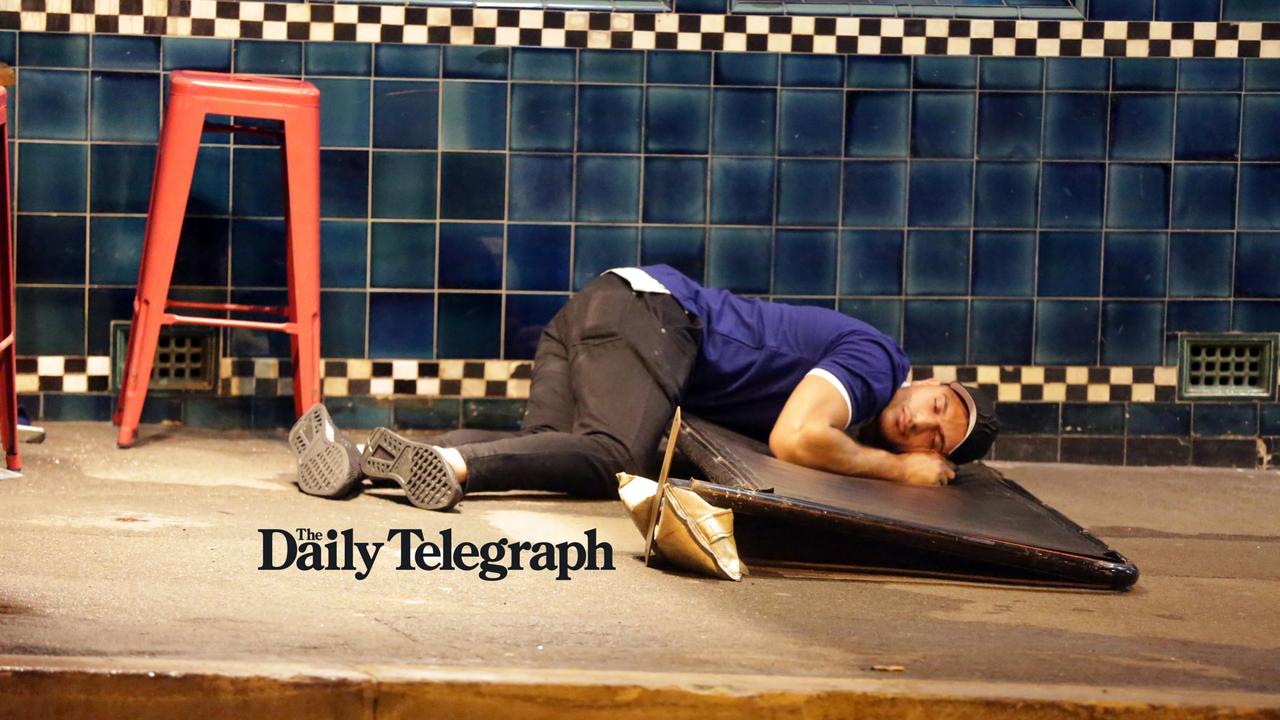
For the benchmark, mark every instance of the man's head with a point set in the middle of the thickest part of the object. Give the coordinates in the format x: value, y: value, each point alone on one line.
x: 953, y: 420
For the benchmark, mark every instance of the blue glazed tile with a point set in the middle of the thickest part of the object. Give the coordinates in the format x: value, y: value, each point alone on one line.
x: 741, y: 191
x: 341, y: 171
x: 812, y: 71
x: 804, y: 262
x: 745, y: 121
x: 608, y: 189
x: 543, y: 64
x: 526, y: 316
x: 1159, y: 419
x: 196, y: 54
x: 943, y: 193
x: 1255, y: 316
x: 1070, y: 264
x: 1134, y: 264
x: 1011, y: 73
x: 717, y: 7
x: 871, y: 262
x: 1029, y: 418
x: 1132, y: 334
x: 541, y: 187
x: 126, y: 106
x: 473, y: 116
x: 1138, y: 196
x: 51, y: 250
x: 1009, y: 125
x: 876, y: 124
x: 256, y: 189
x: 1078, y: 74
x: 746, y: 69
x: 1204, y: 196
x: 938, y: 262
x: 338, y: 58
x: 538, y: 257
x: 1198, y: 316
x: 942, y: 125
x: 470, y: 256
x: 1000, y: 331
x: 53, y: 50
x: 1006, y: 194
x: 1200, y: 264
x: 405, y: 114
x: 611, y: 66
x: 203, y: 252
x: 1224, y: 419
x: 933, y: 331
x: 675, y: 190
x: 1121, y: 9
x: 883, y: 315
x: 1066, y: 332
x: 734, y: 259
x: 808, y: 192
x: 541, y: 117
x: 404, y: 185
x: 51, y: 177
x: 1261, y: 139
x: 118, y: 52
x: 344, y: 247
x: 9, y: 47
x: 596, y: 249
x: 1188, y: 10
x: 1144, y: 74
x: 471, y: 186
x: 1004, y: 263
x: 609, y: 119
x: 50, y: 321
x: 810, y: 123
x: 115, y: 247
x: 344, y: 113
x: 1075, y: 126
x: 93, y: 408
x: 1093, y: 418
x: 676, y: 120
x: 935, y: 73
x: 121, y: 178
x: 476, y: 63
x: 1210, y: 75
x: 875, y: 194
x: 1259, y: 186
x: 1071, y: 195
x: 1208, y: 127
x: 53, y: 105
x: 342, y: 332
x: 1258, y: 265
x: 682, y: 248
x: 1261, y: 76
x: 402, y: 255
x: 1269, y: 419
x: 258, y: 253
x: 1141, y: 127
x: 877, y: 72
x: 105, y: 305
x: 1249, y: 10
x: 674, y: 67
x: 407, y: 61
x: 401, y: 324
x: 268, y: 57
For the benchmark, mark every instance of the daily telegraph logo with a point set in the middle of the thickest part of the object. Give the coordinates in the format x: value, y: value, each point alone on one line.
x: 307, y: 549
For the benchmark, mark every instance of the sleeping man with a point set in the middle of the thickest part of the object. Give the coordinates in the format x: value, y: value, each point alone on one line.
x: 824, y: 390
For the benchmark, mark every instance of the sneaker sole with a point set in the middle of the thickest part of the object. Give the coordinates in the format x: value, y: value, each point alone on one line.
x: 420, y: 469
x: 326, y: 458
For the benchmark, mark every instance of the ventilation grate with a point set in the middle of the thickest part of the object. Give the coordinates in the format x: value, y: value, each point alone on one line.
x: 1225, y: 367
x: 186, y: 358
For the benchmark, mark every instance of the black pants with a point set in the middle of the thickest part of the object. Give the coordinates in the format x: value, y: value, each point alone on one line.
x: 607, y: 376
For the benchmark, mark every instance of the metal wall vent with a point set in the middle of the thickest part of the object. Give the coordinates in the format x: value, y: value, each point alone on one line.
x: 186, y: 357
x: 1226, y: 367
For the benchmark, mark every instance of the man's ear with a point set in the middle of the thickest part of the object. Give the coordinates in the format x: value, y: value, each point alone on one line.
x: 927, y: 381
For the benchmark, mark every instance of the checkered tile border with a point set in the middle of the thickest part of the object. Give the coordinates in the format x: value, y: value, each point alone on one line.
x: 509, y: 379
x: 559, y: 29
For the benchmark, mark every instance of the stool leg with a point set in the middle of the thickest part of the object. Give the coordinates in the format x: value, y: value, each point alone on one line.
x: 302, y: 183
x: 8, y: 364
x: 175, y: 164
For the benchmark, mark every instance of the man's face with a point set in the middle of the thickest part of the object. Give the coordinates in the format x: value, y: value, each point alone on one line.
x: 925, y: 416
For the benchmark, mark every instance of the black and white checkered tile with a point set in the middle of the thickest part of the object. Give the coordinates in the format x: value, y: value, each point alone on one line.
x: 64, y: 374
x: 560, y: 29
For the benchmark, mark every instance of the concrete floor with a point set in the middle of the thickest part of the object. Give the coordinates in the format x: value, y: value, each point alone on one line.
x: 152, y: 553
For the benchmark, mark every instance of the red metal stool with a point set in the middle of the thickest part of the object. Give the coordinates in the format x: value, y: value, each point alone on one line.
x: 194, y: 95
x: 8, y: 365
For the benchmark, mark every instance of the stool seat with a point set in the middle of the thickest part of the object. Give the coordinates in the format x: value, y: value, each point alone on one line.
x: 193, y: 96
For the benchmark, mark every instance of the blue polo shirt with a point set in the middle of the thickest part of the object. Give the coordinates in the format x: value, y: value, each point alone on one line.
x: 753, y: 353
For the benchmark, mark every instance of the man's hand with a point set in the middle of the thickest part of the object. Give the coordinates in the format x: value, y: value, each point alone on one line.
x: 922, y: 468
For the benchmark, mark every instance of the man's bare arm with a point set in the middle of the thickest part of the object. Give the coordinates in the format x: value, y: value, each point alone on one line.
x: 809, y: 432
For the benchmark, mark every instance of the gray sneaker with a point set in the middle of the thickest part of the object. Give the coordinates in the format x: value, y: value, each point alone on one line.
x: 328, y: 462
x: 427, y: 478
